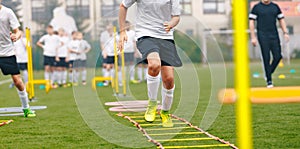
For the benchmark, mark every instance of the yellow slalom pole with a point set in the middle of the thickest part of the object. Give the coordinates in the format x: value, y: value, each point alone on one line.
x: 123, y: 73
x: 116, y: 79
x: 29, y: 64
x: 243, y: 106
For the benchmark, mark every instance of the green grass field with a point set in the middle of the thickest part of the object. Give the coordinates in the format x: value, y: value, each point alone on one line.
x: 61, y: 124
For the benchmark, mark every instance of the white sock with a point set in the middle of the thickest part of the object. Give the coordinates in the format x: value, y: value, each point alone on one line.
x: 145, y: 73
x: 71, y: 76
x: 25, y: 76
x: 140, y: 73
x: 75, y: 76
x: 103, y: 71
x: 106, y: 73
x: 23, y: 98
x: 47, y: 75
x: 84, y: 73
x: 64, y: 78
x: 167, y: 98
x: 120, y: 77
x: 131, y: 72
x: 153, y: 85
x: 59, y: 77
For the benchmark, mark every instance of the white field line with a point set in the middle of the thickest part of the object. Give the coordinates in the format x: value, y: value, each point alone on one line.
x: 5, y: 81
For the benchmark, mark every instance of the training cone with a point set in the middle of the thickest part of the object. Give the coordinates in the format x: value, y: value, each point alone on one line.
x: 281, y: 64
x: 281, y: 76
x: 255, y: 75
x: 292, y: 71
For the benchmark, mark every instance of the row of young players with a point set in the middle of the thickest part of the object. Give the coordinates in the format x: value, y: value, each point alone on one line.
x: 63, y: 53
x: 131, y: 54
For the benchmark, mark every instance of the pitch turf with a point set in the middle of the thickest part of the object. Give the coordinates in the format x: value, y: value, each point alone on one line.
x: 61, y: 125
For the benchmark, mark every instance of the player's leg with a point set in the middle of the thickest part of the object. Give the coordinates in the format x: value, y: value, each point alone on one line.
x: 276, y: 52
x: 153, y: 82
x: 84, y: 72
x: 167, y: 93
x: 265, y: 51
x: 47, y: 68
x: 9, y: 66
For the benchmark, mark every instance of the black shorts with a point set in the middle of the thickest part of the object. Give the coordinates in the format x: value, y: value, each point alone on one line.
x: 129, y: 57
x: 62, y: 62
x: 110, y: 60
x: 9, y: 66
x: 22, y: 66
x: 165, y: 47
x: 49, y: 61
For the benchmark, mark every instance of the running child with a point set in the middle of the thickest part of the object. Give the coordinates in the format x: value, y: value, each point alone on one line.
x: 8, y: 62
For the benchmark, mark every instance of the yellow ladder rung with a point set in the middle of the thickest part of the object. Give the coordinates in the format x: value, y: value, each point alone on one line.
x: 180, y: 133
x: 185, y: 139
x: 173, y: 128
x: 141, y: 116
x: 198, y: 146
x: 158, y: 120
x: 160, y: 124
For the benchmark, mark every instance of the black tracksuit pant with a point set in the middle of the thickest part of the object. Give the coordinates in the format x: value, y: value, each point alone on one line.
x: 270, y: 44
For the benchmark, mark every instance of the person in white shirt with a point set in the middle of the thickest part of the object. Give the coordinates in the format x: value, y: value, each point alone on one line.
x: 104, y: 38
x: 155, y: 40
x: 85, y: 47
x: 73, y: 58
x: 22, y: 56
x: 61, y: 58
x: 129, y: 51
x: 10, y: 33
x: 49, y: 43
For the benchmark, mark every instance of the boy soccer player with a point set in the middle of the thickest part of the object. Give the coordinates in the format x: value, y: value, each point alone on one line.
x: 73, y: 57
x: 51, y: 43
x: 154, y: 31
x: 8, y: 63
x: 266, y: 13
x: 61, y: 61
x: 85, y: 47
x: 129, y: 49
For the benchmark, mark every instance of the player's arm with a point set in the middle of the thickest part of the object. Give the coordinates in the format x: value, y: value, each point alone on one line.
x: 40, y: 44
x: 15, y: 35
x: 172, y: 23
x: 252, y: 32
x: 284, y: 29
x: 122, y: 19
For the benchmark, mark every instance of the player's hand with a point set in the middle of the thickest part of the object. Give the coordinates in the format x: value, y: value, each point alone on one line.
x: 57, y: 59
x: 123, y: 39
x: 104, y: 54
x: 67, y: 59
x: 286, y: 37
x: 167, y: 27
x: 254, y: 42
x: 13, y: 37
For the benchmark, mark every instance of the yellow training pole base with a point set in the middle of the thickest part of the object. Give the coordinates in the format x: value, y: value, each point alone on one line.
x: 38, y: 82
x: 99, y: 79
x: 263, y: 95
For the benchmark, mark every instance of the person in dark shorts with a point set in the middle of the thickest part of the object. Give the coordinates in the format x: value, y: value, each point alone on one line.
x: 49, y: 43
x: 265, y: 13
x: 154, y: 31
x: 61, y: 58
x: 8, y: 62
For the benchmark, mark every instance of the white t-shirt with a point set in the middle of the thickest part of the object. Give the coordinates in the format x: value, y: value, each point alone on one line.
x: 74, y: 45
x: 51, y: 43
x: 63, y: 49
x: 129, y: 45
x: 8, y: 20
x: 84, y: 45
x: 108, y: 42
x: 151, y: 15
x: 21, y: 52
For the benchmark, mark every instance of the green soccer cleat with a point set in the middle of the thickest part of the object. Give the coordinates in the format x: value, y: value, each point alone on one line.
x: 151, y: 111
x: 166, y: 119
x: 29, y: 113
